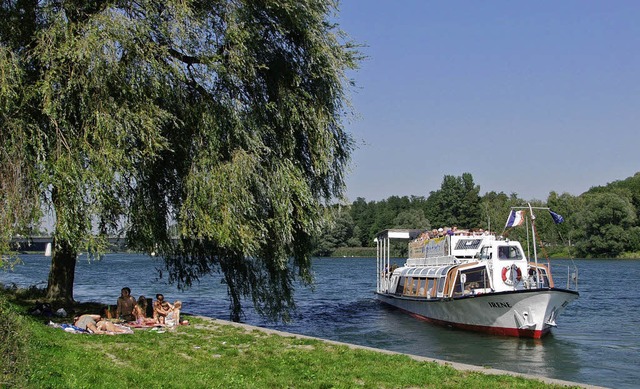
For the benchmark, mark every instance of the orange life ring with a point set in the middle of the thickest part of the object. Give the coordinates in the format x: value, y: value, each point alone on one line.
x: 509, y: 279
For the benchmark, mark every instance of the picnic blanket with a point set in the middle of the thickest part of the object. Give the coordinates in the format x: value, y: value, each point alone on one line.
x: 76, y: 330
x: 134, y: 324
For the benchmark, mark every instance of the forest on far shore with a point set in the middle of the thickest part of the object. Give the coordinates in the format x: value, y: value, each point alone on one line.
x: 603, y: 222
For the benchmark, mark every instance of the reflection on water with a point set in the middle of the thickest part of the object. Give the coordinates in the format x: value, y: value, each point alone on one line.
x: 596, y: 341
x: 545, y: 357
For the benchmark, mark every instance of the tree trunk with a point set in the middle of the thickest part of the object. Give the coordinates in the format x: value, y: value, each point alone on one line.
x: 62, y: 273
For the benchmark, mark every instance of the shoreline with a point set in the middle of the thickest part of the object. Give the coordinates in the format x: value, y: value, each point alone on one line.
x: 455, y: 365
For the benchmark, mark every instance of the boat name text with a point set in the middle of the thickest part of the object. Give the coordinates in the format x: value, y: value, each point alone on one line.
x: 494, y: 304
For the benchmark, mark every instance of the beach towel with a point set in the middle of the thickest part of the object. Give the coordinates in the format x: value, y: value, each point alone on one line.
x: 134, y: 324
x: 73, y: 329
x: 77, y: 330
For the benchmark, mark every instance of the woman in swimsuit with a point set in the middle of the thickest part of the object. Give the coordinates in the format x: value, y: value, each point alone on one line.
x: 95, y: 325
x: 140, y: 312
x: 88, y: 323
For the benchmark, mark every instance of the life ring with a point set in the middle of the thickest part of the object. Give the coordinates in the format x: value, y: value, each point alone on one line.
x: 507, y: 276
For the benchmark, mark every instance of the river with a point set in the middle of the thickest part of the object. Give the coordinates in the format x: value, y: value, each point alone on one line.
x: 596, y: 341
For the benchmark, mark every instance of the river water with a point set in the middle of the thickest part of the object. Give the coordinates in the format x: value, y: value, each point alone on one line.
x: 596, y: 341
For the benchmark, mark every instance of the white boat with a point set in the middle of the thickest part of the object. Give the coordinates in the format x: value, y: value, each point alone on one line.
x: 474, y: 281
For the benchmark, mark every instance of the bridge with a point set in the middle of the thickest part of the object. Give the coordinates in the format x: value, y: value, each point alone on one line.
x: 39, y: 243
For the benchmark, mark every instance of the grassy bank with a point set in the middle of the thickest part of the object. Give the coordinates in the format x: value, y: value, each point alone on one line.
x: 364, y: 252
x: 208, y: 354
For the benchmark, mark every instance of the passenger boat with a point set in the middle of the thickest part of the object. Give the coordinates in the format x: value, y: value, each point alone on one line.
x: 474, y: 281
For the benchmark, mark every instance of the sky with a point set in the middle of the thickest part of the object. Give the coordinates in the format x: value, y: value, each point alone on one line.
x: 528, y: 96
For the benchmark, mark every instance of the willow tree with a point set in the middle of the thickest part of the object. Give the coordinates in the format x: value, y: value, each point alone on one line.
x: 210, y: 132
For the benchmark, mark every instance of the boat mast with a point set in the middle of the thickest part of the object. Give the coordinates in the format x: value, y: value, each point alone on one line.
x: 533, y: 233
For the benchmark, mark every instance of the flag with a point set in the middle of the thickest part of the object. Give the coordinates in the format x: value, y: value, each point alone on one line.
x: 556, y: 218
x: 516, y: 218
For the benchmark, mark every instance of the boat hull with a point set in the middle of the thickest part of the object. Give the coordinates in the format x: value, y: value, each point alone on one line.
x: 521, y: 313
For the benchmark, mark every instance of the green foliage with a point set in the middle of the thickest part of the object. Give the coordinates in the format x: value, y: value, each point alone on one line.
x: 208, y: 132
x: 411, y: 218
x: 495, y: 209
x: 604, y: 226
x: 603, y: 222
x: 462, y: 204
x: 395, y: 212
x: 337, y: 233
x: 364, y: 217
x: 456, y: 203
x: 19, y: 205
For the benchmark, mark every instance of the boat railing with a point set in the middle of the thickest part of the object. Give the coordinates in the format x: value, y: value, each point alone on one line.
x: 571, y: 281
x: 572, y: 277
x: 384, y: 284
x: 431, y: 261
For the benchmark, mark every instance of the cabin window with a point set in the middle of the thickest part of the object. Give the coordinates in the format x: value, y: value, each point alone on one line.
x: 509, y: 252
x: 478, y: 276
x: 416, y: 287
x: 458, y: 285
x: 421, y: 287
x: 468, y: 244
x: 485, y: 253
x: 470, y: 279
x: 408, y: 286
x: 430, y: 289
x: 441, y: 282
x: 400, y: 287
x: 544, y: 277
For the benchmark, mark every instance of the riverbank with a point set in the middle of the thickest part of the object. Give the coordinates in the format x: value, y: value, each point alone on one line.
x: 217, y: 353
x: 460, y: 367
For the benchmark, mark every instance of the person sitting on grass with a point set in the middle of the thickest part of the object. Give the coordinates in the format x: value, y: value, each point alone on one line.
x: 140, y: 312
x: 161, y: 308
x: 126, y: 304
x: 173, y: 317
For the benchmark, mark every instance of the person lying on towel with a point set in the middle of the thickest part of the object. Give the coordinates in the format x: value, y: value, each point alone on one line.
x: 95, y: 325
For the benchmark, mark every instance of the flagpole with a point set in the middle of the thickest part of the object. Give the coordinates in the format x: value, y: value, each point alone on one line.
x: 535, y: 252
x: 528, y: 242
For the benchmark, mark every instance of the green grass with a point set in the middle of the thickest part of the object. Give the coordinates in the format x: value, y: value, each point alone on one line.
x: 211, y: 354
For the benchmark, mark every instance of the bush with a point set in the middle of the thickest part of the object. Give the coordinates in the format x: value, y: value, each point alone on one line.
x: 13, y: 361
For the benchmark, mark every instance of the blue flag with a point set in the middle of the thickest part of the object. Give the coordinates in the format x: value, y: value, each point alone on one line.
x: 556, y: 218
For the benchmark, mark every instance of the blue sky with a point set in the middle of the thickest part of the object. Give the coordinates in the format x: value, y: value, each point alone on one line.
x: 527, y: 96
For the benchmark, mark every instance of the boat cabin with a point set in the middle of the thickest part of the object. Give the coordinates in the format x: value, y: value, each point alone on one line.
x: 455, y: 266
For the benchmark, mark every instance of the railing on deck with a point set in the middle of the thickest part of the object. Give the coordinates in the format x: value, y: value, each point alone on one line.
x: 572, y: 278
x: 433, y: 261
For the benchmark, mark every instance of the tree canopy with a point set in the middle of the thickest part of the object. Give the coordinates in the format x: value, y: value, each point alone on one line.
x: 209, y: 132
x: 604, y: 222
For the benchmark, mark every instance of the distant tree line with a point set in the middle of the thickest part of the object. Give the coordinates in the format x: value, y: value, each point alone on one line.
x: 603, y: 222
